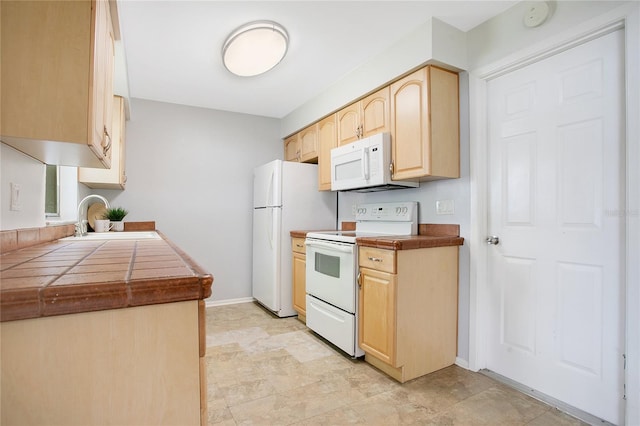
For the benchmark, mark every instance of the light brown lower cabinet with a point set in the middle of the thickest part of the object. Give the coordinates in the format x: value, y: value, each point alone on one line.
x: 408, y: 301
x: 132, y: 366
x: 299, y: 277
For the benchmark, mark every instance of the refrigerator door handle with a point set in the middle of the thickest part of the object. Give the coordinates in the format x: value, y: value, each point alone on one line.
x: 270, y: 190
x: 270, y: 227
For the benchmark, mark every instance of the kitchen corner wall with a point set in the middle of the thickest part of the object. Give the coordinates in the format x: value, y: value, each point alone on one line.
x: 191, y: 170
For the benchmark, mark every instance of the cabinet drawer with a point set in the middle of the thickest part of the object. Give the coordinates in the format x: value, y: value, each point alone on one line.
x: 297, y: 245
x: 380, y: 259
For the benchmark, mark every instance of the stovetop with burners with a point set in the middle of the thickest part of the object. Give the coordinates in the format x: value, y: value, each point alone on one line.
x: 376, y: 219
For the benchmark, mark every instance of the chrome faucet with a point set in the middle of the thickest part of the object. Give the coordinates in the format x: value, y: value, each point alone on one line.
x: 81, y: 225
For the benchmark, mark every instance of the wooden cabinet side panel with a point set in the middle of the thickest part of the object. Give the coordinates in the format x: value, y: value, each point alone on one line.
x: 377, y: 321
x: 376, y: 112
x: 46, y: 58
x: 410, y: 141
x: 106, y: 142
x: 128, y: 366
x: 427, y: 309
x: 299, y: 283
x: 445, y: 123
x: 327, y: 140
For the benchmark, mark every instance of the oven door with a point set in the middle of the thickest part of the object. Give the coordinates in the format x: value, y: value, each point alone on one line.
x: 331, y: 272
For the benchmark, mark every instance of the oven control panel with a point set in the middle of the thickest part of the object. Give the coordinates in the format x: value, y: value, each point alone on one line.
x: 387, y: 212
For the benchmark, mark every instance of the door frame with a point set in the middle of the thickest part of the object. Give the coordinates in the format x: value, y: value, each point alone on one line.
x: 627, y: 18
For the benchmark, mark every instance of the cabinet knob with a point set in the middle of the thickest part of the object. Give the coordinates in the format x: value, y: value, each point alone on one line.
x: 375, y: 259
x: 359, y: 281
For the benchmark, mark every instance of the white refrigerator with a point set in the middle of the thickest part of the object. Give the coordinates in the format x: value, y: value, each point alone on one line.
x: 285, y: 198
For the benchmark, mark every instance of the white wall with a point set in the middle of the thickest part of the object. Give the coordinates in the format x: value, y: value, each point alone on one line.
x: 190, y: 170
x: 434, y: 42
x: 30, y: 175
x: 505, y: 34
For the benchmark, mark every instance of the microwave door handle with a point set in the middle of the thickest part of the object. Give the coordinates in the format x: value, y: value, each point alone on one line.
x: 329, y: 246
x: 365, y: 163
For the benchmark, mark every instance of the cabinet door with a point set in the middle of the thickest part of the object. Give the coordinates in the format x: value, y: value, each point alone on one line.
x: 103, y: 59
x: 309, y: 144
x: 292, y: 148
x: 348, y: 123
x: 375, y: 113
x: 114, y: 177
x: 410, y: 136
x: 377, y: 321
x: 327, y: 140
x: 299, y: 283
x: 57, y: 78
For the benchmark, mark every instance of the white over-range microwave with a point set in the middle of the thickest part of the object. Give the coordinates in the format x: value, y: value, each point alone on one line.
x: 365, y: 166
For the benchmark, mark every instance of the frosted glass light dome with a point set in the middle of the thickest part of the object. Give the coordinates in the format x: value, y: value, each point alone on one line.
x: 255, y: 48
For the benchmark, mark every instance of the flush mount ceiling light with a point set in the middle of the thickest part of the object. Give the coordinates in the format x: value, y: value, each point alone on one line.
x: 255, y: 48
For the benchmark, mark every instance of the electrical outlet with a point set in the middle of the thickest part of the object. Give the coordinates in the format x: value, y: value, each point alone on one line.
x: 15, y: 197
x: 444, y: 207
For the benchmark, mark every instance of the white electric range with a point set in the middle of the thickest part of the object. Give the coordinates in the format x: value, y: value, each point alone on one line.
x: 332, y: 269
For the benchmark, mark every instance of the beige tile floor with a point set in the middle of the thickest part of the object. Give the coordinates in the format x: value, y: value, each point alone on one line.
x: 273, y: 371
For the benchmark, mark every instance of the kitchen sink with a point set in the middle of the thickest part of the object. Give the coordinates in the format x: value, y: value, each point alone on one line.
x: 134, y: 235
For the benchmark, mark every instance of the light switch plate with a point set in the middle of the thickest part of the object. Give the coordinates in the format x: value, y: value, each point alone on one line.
x: 444, y: 207
x: 15, y: 197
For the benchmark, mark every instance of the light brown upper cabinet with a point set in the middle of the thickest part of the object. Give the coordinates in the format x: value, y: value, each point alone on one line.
x: 327, y: 140
x: 366, y: 117
x: 292, y: 148
x: 425, y: 130
x: 57, y: 80
x: 308, y: 138
x: 116, y: 176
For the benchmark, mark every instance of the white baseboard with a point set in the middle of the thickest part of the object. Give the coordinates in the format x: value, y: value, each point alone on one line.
x: 211, y: 303
x: 462, y: 363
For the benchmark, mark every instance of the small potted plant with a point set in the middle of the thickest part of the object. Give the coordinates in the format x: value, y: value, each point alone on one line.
x: 115, y: 215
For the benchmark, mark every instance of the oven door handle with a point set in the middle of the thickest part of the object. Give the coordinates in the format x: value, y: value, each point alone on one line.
x: 329, y: 246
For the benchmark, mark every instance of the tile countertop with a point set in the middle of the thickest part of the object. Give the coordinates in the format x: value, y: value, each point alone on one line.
x: 65, y: 277
x: 429, y: 236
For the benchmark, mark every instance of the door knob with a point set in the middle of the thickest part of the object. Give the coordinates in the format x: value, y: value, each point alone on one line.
x: 493, y: 240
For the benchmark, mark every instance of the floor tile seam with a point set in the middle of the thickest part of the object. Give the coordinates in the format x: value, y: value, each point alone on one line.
x: 323, y: 412
x: 418, y: 404
x: 545, y: 412
x: 276, y: 392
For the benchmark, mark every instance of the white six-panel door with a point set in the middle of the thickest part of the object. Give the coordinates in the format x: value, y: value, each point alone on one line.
x: 555, y: 317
